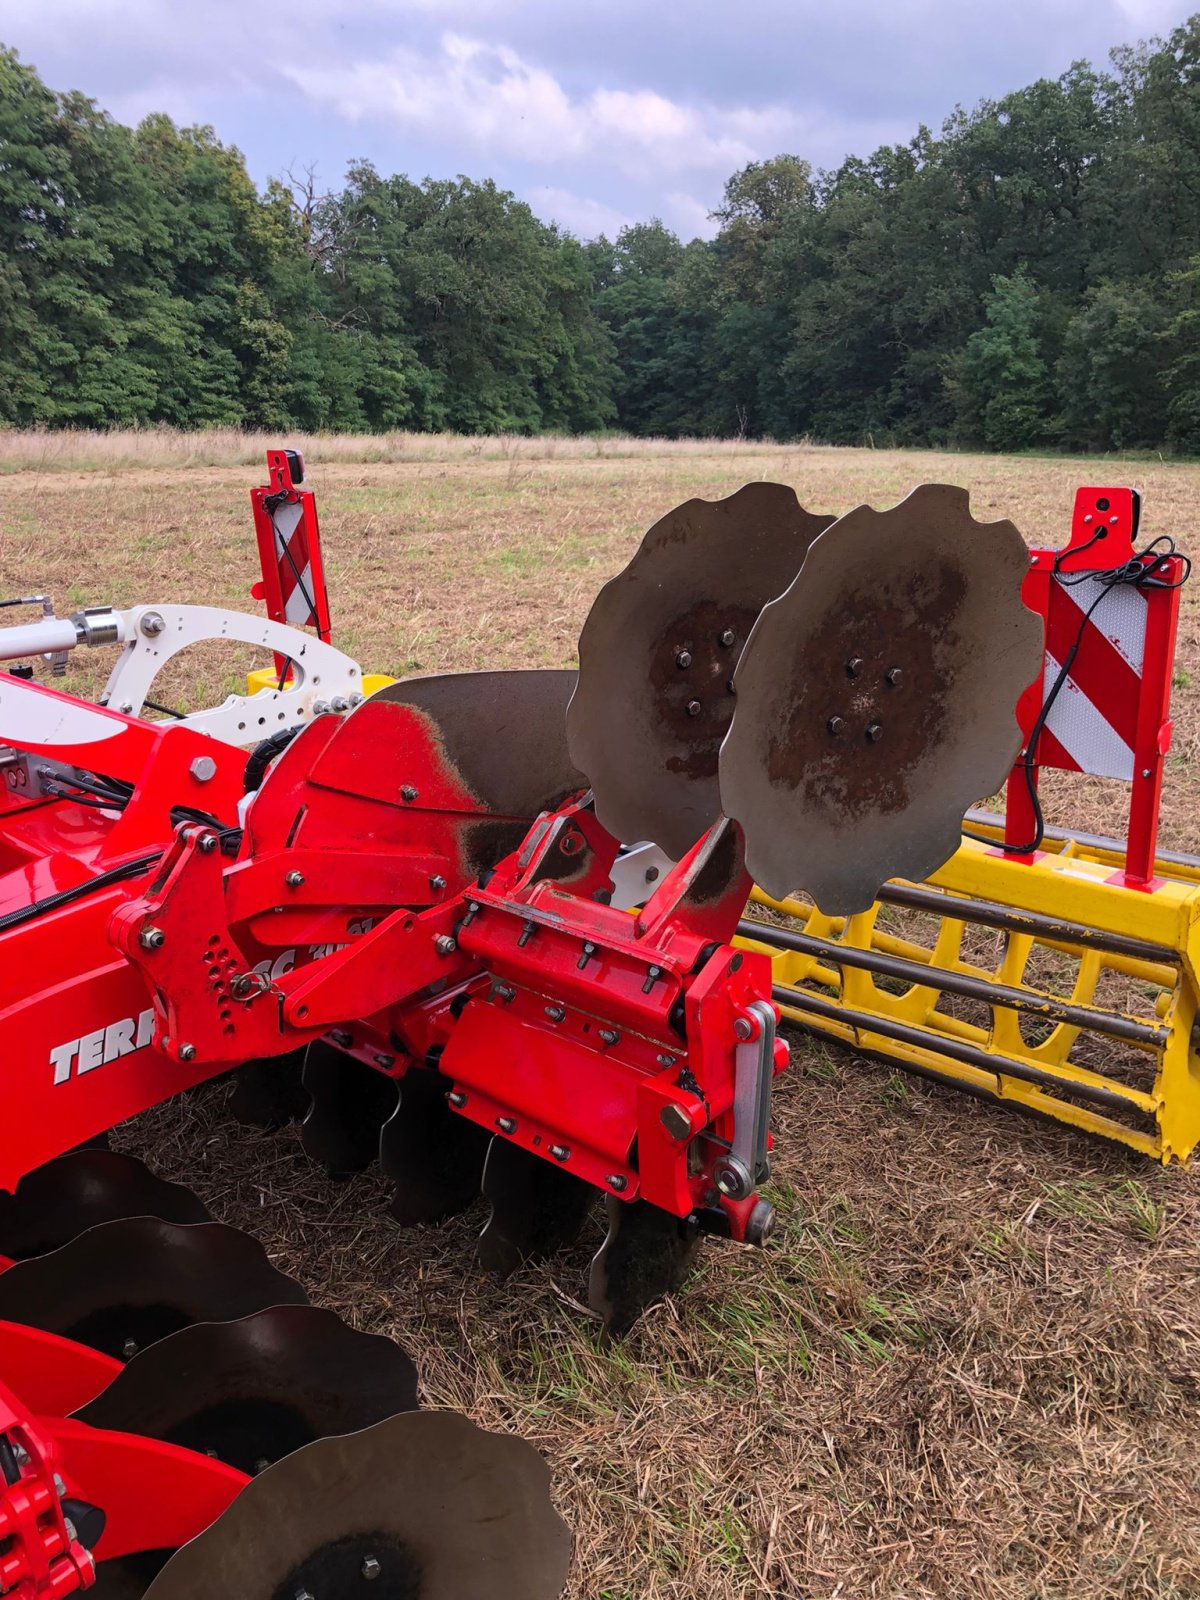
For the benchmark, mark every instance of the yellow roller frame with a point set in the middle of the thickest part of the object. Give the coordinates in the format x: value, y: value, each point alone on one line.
x: 1043, y: 958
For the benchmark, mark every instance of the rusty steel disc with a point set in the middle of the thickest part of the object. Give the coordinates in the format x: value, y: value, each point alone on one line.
x: 422, y: 1506
x: 658, y: 652
x: 502, y: 732
x: 876, y: 699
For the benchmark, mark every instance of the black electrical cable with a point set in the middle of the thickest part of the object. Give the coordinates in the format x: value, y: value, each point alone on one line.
x: 1144, y: 570
x: 66, y: 897
x: 167, y: 711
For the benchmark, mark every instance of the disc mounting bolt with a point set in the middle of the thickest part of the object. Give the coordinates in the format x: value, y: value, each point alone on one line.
x: 854, y: 666
x: 727, y: 636
x: 893, y: 677
x: 874, y: 732
x: 836, y: 725
x: 129, y: 1349
x: 371, y: 1567
x: 694, y: 708
x: 683, y: 660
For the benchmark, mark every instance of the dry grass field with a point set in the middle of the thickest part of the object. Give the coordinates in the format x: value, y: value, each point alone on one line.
x: 968, y: 1364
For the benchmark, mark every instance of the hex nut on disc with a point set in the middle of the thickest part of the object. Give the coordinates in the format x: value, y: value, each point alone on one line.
x: 876, y: 699
x: 657, y: 657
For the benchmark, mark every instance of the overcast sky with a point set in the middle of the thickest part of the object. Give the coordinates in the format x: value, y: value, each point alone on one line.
x: 597, y: 114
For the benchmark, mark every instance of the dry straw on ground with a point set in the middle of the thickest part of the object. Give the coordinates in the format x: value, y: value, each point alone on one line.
x: 967, y: 1364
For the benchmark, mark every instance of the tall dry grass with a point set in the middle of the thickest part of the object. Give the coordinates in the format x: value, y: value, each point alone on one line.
x: 87, y: 449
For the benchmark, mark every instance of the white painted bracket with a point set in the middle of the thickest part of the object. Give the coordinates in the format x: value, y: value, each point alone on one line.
x: 322, y: 678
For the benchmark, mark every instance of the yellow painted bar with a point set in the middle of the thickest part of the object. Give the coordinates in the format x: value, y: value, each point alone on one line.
x: 1152, y: 1087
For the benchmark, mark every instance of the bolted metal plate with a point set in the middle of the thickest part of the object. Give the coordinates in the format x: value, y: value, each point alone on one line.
x: 123, y: 1285
x: 658, y: 652
x: 426, y: 1503
x: 646, y: 1255
x: 252, y: 1391
x: 74, y: 1192
x: 502, y: 732
x: 537, y: 1206
x: 877, y: 697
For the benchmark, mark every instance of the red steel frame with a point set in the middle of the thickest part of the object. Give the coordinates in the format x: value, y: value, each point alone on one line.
x: 1152, y: 740
x: 153, y: 1495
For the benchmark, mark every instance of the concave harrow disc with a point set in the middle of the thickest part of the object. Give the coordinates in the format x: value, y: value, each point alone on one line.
x: 876, y: 699
x: 59, y: 1200
x: 252, y: 1391
x: 124, y: 1285
x: 657, y: 656
x: 423, y: 1506
x: 501, y: 732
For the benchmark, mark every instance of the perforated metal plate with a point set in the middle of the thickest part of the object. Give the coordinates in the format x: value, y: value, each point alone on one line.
x: 440, y: 1509
x: 657, y: 656
x: 876, y: 699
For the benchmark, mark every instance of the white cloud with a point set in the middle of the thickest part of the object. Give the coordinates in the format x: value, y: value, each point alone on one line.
x: 688, y: 216
x: 1154, y: 16
x: 578, y: 214
x: 499, y: 102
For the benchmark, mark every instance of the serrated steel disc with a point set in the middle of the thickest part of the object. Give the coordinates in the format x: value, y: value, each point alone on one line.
x: 876, y: 699
x: 503, y: 732
x: 538, y: 1208
x: 74, y: 1192
x: 658, y: 652
x: 123, y: 1285
x: 268, y: 1093
x: 435, y: 1156
x: 250, y: 1392
x: 350, y: 1102
x: 430, y: 1505
x: 645, y: 1256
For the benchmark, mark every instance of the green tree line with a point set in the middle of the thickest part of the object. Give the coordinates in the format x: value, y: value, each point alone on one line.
x: 1028, y: 277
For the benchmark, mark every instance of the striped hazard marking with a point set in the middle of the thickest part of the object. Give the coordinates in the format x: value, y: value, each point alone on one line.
x: 292, y: 541
x: 1093, y: 723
